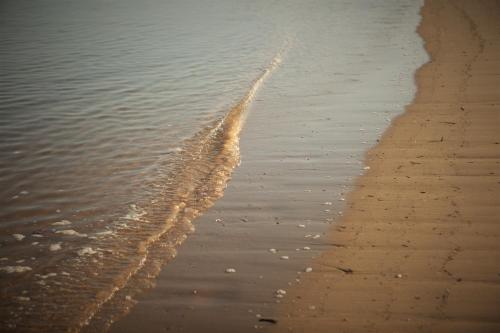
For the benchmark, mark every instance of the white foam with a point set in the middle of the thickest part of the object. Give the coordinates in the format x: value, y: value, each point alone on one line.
x: 46, y: 276
x: 135, y: 213
x: 71, y: 232
x: 86, y: 251
x: 63, y: 222
x: 104, y: 233
x: 15, y: 269
x: 175, y: 150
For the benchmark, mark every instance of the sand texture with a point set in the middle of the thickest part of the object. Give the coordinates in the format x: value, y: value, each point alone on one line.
x: 422, y: 234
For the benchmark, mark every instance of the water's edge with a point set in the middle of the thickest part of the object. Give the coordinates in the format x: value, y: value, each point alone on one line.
x: 208, y: 161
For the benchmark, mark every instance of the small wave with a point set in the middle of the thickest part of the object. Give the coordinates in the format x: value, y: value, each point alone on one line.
x: 98, y: 273
x: 135, y: 213
x: 207, y: 161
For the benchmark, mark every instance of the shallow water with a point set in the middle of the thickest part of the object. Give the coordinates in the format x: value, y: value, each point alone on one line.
x: 122, y: 118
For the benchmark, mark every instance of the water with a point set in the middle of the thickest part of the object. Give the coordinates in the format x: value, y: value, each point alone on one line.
x: 119, y: 124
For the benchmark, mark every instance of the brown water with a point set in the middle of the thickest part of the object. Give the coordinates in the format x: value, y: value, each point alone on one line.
x: 120, y: 124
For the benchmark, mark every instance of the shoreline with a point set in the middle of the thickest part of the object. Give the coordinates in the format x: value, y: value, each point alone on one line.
x: 302, y: 145
x: 418, y: 248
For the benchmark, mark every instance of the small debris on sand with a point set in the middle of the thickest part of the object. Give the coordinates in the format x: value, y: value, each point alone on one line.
x: 280, y: 292
x: 284, y: 258
x: 230, y: 270
x: 328, y: 203
x: 308, y: 270
x: 273, y: 250
x: 55, y: 247
x: 301, y: 226
x: 345, y: 270
x: 307, y: 248
x: 316, y: 236
x: 399, y: 276
x: 18, y: 237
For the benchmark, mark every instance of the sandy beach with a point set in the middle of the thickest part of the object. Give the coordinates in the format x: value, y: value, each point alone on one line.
x: 419, y: 247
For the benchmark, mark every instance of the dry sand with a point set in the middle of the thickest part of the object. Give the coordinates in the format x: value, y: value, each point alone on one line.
x: 422, y: 235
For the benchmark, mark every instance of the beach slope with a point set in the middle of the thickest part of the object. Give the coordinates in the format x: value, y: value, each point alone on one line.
x: 419, y: 246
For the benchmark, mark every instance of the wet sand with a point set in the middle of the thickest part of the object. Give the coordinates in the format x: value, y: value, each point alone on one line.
x: 419, y: 246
